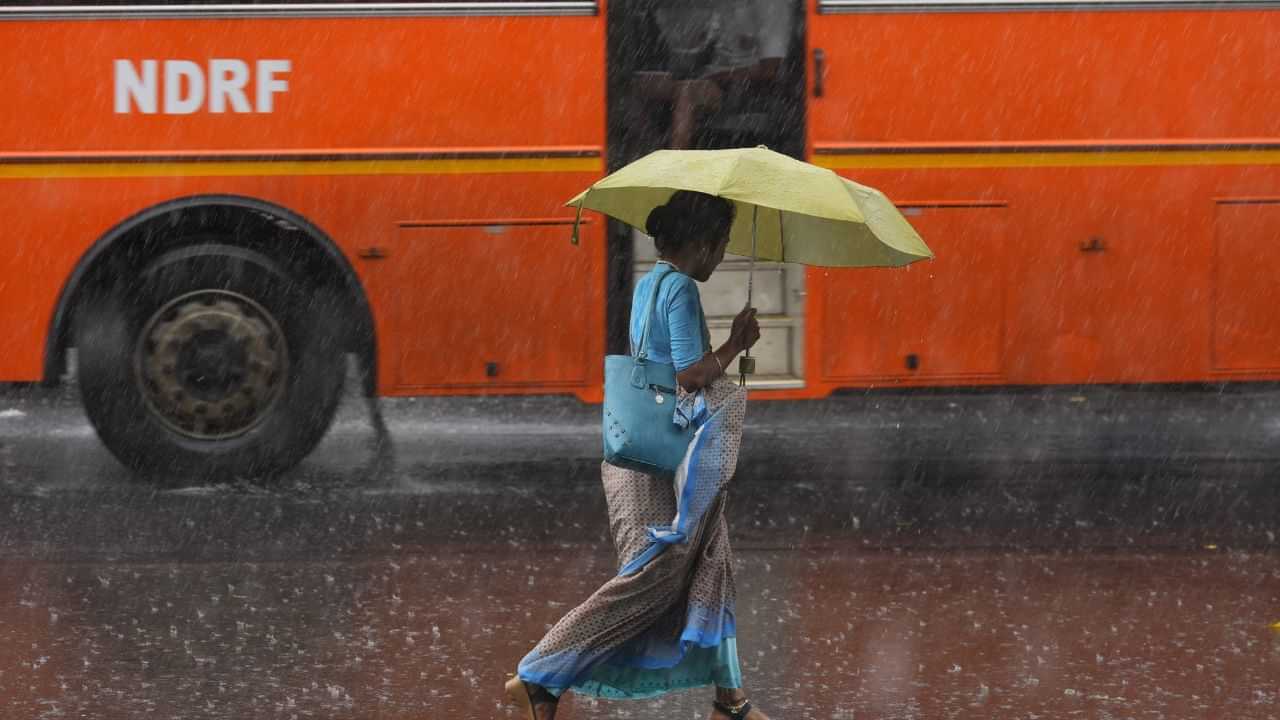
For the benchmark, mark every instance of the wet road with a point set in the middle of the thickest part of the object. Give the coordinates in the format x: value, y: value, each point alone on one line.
x: 1096, y: 553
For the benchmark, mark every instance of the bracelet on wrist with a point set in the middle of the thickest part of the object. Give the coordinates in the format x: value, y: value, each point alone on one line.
x: 720, y: 364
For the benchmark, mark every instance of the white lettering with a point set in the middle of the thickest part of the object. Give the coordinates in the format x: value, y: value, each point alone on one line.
x: 227, y: 80
x: 268, y: 85
x: 184, y: 84
x: 174, y: 101
x: 142, y: 91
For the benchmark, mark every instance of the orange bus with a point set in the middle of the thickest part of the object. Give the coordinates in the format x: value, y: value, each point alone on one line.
x: 215, y: 203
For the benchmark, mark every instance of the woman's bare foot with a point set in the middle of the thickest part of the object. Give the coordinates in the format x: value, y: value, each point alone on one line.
x: 734, y: 698
x: 532, y: 699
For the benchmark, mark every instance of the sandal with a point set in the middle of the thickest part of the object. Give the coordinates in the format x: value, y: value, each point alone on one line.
x: 527, y: 696
x: 735, y: 712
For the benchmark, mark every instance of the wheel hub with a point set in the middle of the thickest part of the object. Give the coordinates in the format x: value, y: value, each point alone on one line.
x: 211, y: 364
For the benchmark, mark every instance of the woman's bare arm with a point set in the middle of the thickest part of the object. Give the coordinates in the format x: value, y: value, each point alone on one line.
x: 745, y: 333
x: 705, y: 371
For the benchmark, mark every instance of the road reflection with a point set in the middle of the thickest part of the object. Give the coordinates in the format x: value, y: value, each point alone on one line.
x: 830, y: 632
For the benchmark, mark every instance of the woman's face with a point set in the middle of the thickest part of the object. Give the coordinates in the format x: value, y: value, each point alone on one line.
x: 713, y: 257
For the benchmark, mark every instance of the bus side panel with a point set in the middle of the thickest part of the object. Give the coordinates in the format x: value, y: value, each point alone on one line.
x: 1246, y: 266
x: 351, y: 83
x: 1108, y: 272
x: 942, y: 320
x: 1027, y: 76
x: 34, y: 269
x: 41, y: 240
x: 386, y: 125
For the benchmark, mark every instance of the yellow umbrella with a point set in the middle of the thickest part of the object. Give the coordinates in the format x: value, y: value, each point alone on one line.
x: 787, y: 210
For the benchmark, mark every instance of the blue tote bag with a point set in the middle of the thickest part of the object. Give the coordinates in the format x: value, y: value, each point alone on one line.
x: 639, y: 405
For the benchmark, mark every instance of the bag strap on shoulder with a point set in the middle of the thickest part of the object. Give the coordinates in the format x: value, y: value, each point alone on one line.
x: 648, y: 320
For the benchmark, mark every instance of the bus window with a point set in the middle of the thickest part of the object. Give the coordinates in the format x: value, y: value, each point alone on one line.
x: 706, y: 74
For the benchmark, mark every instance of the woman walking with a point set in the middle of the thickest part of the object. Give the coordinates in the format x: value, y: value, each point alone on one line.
x: 666, y: 621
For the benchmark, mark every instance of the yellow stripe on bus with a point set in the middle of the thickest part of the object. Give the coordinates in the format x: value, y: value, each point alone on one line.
x: 869, y: 161
x: 297, y: 167
x: 851, y: 160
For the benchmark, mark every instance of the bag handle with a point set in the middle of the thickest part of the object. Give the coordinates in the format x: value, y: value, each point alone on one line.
x: 653, y: 306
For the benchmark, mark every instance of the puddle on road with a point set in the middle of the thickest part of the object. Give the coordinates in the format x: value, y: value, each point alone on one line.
x: 834, y: 632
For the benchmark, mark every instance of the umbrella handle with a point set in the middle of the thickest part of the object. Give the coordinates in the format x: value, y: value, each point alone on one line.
x: 746, y: 363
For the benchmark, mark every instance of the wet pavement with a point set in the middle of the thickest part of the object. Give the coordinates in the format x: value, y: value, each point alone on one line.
x: 1092, y: 553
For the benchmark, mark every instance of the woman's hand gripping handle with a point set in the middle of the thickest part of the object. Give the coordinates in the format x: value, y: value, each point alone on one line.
x: 744, y: 333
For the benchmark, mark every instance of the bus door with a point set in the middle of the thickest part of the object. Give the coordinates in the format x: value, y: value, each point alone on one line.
x: 709, y: 74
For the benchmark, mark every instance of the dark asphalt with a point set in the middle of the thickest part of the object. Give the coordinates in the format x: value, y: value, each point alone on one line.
x: 1095, y: 553
x: 1092, y: 467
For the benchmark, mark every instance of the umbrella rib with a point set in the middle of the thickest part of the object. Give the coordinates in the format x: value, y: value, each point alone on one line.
x: 782, y: 239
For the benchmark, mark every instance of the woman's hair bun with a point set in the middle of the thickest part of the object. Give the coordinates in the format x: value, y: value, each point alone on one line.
x: 658, y: 224
x: 687, y: 217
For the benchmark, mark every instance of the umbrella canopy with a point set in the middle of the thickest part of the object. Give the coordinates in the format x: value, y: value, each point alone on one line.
x: 801, y: 213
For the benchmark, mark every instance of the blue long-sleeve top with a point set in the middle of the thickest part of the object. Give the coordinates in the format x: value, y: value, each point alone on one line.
x: 679, y: 332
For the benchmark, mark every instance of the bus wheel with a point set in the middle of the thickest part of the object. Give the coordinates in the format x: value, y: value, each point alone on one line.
x: 213, y: 363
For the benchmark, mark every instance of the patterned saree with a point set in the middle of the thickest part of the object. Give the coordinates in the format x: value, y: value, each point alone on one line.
x: 666, y: 621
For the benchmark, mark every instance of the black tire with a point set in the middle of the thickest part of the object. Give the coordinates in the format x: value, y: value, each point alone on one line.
x: 271, y: 404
